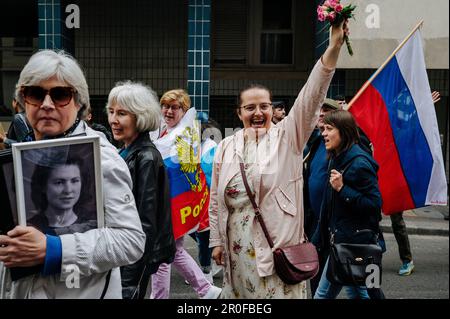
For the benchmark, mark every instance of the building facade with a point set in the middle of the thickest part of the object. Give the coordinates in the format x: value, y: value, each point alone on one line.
x: 215, y: 48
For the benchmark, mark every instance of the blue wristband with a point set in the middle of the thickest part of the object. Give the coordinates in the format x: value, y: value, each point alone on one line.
x: 53, y: 256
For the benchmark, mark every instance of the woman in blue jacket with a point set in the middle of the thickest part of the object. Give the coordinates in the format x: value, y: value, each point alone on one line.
x: 352, y: 200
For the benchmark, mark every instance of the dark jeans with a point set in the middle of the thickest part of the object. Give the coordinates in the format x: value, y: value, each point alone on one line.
x: 376, y: 293
x: 401, y: 236
x: 352, y: 292
x: 204, y: 252
x: 328, y: 290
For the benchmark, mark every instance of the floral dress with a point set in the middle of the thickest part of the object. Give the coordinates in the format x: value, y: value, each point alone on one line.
x: 245, y: 281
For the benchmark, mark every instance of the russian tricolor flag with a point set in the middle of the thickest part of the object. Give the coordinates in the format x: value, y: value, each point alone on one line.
x: 207, y: 160
x: 180, y: 150
x: 397, y: 113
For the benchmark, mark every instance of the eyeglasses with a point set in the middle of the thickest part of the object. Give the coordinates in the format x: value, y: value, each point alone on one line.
x: 173, y: 107
x: 35, y: 95
x: 250, y: 108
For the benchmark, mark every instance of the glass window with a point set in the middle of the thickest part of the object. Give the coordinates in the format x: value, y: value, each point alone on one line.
x: 276, y: 41
x: 276, y: 48
x: 277, y: 14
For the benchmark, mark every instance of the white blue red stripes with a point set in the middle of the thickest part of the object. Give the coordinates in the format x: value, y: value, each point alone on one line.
x: 179, y: 182
x: 208, y: 150
x: 180, y: 149
x: 397, y: 113
x: 406, y: 131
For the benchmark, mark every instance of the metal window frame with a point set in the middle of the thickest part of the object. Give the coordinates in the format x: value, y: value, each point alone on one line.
x: 256, y: 29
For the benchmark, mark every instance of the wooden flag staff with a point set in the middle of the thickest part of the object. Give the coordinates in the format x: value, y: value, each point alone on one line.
x: 364, y: 87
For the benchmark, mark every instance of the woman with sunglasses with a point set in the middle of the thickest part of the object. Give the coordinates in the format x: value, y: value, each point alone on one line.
x: 53, y: 89
x: 271, y: 157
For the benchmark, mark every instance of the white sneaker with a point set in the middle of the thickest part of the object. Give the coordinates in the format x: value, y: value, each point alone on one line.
x: 213, y: 293
x: 209, y: 277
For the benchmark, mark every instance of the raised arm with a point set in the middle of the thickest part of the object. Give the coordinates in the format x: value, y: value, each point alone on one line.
x: 331, y: 55
x: 303, y: 116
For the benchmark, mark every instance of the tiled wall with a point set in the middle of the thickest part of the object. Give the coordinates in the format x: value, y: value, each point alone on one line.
x: 199, y: 30
x: 53, y: 33
x: 135, y: 40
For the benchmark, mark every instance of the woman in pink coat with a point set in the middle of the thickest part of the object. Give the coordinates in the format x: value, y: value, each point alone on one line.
x: 272, y: 155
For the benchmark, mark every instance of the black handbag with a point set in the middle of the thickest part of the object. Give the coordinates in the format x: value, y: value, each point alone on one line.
x: 350, y: 264
x: 293, y: 264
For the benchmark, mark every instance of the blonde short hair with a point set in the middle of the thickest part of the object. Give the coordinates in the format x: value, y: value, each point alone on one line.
x: 179, y: 95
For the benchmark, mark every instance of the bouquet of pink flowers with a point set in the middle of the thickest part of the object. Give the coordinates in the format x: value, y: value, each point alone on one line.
x: 333, y: 12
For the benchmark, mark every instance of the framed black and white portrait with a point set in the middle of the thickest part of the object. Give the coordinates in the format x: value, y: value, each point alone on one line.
x: 8, y: 210
x: 58, y: 184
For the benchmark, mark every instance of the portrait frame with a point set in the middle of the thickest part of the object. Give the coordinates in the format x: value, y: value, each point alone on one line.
x: 8, y: 211
x: 33, y: 158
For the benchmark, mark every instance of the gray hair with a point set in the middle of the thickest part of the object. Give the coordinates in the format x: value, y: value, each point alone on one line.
x: 45, y: 64
x: 139, y: 100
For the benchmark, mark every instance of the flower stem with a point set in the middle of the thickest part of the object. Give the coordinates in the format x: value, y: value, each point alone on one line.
x: 349, y: 46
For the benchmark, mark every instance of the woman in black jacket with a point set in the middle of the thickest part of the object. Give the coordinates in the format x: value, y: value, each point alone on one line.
x: 352, y: 201
x: 133, y: 111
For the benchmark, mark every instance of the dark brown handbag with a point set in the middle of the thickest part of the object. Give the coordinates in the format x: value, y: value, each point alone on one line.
x: 293, y: 264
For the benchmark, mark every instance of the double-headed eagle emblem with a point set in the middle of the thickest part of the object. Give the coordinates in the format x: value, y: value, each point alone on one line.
x: 188, y: 150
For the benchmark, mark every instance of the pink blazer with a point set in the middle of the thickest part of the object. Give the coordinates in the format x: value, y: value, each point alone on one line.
x: 278, y: 182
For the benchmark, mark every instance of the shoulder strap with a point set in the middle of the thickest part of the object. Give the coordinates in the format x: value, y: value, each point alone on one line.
x: 105, y: 289
x: 332, y: 190
x: 342, y: 173
x: 347, y: 166
x: 255, y: 206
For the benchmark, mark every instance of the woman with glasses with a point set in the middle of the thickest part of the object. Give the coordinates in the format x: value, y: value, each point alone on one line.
x: 53, y: 89
x: 174, y: 105
x: 133, y: 111
x: 272, y: 159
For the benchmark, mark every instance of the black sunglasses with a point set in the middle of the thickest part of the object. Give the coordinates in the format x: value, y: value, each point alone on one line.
x: 35, y: 95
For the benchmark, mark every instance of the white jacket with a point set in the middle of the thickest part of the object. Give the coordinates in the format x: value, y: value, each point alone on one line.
x: 96, y: 251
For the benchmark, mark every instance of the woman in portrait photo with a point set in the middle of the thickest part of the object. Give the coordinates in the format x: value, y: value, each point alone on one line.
x: 60, y: 194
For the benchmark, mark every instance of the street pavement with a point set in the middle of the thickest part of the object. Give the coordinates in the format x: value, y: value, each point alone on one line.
x: 428, y: 234
x: 430, y: 278
x: 422, y: 221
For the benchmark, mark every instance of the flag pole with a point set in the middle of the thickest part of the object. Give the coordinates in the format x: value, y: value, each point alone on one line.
x: 369, y: 81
